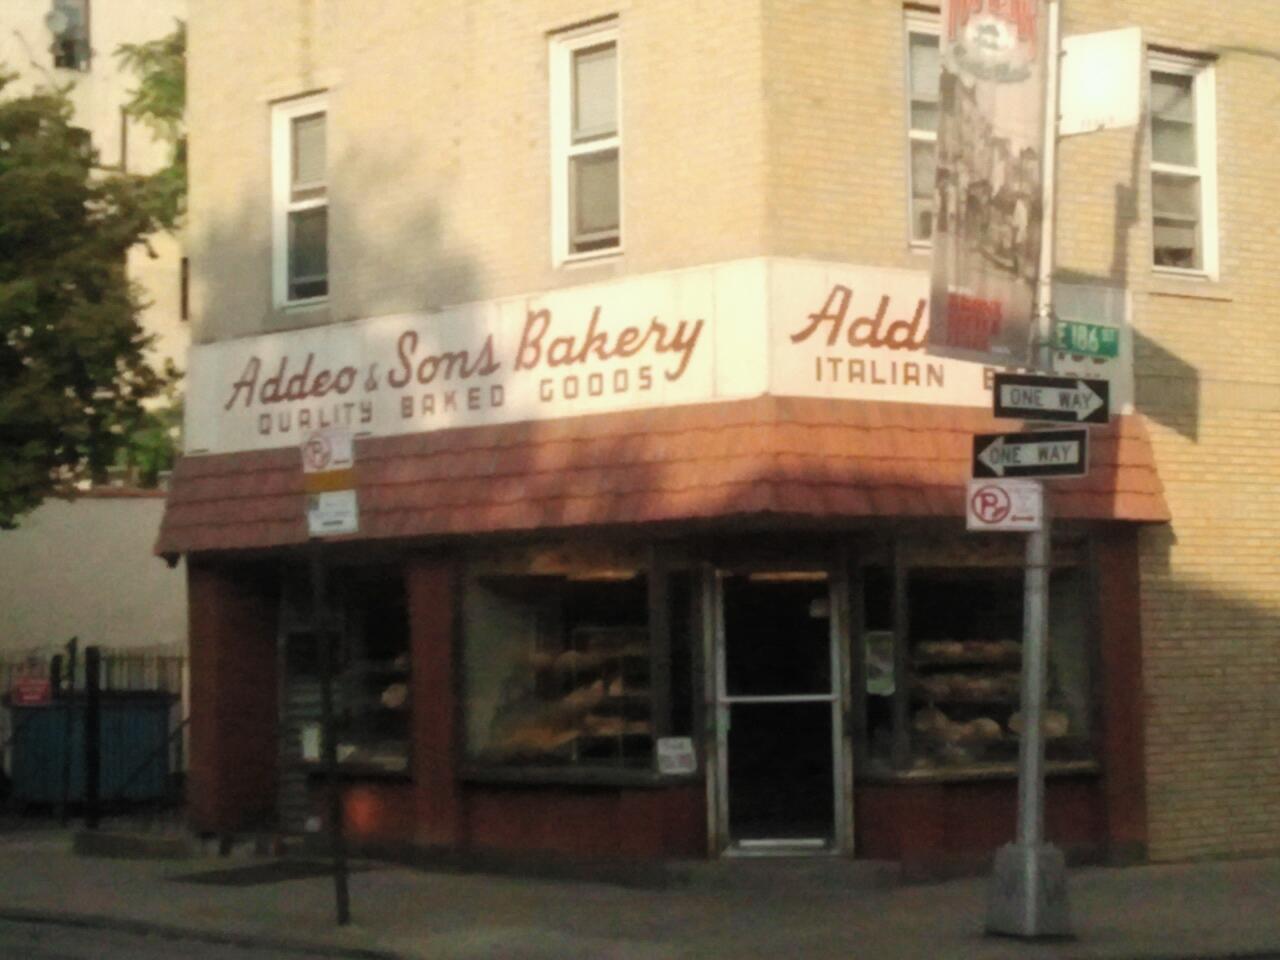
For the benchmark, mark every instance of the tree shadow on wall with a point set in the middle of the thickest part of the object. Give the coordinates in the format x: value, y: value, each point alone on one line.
x: 1167, y: 387
x: 389, y: 251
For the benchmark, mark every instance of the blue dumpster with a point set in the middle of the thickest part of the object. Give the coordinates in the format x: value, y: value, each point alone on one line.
x: 133, y: 740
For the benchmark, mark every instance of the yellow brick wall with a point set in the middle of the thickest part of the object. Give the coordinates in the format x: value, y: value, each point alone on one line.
x: 1207, y: 354
x: 1208, y: 379
x: 439, y: 153
x: 778, y: 127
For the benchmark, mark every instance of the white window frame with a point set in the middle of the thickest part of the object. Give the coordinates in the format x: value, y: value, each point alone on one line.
x: 918, y: 24
x: 1204, y: 93
x: 562, y: 48
x: 282, y: 116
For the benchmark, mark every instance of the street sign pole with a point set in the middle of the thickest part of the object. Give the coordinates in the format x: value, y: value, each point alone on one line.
x: 1028, y: 895
x: 323, y: 630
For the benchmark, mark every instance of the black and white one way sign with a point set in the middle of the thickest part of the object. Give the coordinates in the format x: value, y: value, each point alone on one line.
x: 1061, y: 399
x: 1046, y: 453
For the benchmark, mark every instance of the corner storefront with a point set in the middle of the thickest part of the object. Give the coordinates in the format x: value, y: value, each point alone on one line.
x: 669, y: 567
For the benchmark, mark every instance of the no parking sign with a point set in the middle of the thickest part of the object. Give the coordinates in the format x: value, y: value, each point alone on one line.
x: 1004, y: 505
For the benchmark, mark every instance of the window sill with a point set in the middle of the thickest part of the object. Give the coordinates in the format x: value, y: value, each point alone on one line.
x: 920, y: 247
x: 1001, y: 771
x: 1188, y: 284
x: 571, y: 776
x: 304, y: 313
x: 579, y: 260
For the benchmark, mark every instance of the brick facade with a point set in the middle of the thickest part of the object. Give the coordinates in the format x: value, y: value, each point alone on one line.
x: 777, y: 127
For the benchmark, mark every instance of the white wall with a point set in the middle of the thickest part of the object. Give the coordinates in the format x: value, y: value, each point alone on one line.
x: 86, y: 569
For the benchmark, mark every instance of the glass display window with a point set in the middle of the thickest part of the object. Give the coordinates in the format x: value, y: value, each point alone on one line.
x: 562, y: 665
x: 941, y: 650
x: 371, y: 671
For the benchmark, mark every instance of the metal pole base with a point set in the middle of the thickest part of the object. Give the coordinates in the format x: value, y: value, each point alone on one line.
x: 1028, y: 893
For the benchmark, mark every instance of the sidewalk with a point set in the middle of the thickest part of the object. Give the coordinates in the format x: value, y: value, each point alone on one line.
x: 1205, y: 910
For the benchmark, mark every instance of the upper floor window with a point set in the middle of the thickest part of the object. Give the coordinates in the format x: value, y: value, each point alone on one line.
x: 300, y: 202
x: 922, y: 125
x: 1183, y: 191
x: 68, y: 21
x: 586, y: 143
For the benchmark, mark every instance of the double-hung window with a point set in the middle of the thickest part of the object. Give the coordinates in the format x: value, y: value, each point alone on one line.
x: 922, y: 125
x: 1183, y: 194
x: 586, y: 142
x: 300, y: 228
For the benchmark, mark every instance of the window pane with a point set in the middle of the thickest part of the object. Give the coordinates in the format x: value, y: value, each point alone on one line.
x: 1173, y: 134
x: 1171, y: 96
x: 595, y: 92
x: 308, y: 253
x: 924, y: 115
x: 1173, y: 142
x: 965, y: 652
x: 924, y: 68
x: 1176, y: 244
x: 593, y: 185
x: 923, y: 173
x: 1175, y: 197
x: 777, y: 638
x: 71, y: 39
x: 371, y: 671
x: 308, y: 151
x: 556, y: 669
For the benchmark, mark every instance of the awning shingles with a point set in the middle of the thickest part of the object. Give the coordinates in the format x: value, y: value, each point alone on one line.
x: 810, y: 458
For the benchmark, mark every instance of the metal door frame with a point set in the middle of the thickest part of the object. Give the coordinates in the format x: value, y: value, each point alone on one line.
x: 719, y: 702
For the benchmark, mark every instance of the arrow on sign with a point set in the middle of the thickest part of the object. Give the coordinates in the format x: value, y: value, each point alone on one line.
x: 1063, y: 399
x: 1051, y: 453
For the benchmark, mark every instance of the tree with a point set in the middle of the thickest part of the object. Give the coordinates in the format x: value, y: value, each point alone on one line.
x: 160, y: 102
x: 74, y: 375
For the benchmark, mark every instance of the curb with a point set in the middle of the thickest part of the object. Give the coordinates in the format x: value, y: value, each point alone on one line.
x: 145, y: 928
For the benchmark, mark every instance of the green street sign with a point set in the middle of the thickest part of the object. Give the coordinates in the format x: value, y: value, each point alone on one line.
x: 1090, y: 339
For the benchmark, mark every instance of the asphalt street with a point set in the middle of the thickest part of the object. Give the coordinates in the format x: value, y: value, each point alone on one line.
x: 49, y: 941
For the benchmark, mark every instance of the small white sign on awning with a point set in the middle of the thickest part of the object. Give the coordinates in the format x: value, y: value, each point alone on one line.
x: 332, y: 512
x: 1101, y: 81
x: 1002, y: 505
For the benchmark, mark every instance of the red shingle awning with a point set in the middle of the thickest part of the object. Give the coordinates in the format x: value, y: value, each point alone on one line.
x: 787, y: 457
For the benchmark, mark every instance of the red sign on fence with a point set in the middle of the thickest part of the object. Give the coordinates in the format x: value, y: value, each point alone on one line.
x: 28, y: 690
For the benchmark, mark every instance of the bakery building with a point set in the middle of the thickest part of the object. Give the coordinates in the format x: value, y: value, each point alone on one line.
x: 660, y: 547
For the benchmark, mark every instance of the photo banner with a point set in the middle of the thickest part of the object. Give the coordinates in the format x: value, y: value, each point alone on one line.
x: 986, y: 237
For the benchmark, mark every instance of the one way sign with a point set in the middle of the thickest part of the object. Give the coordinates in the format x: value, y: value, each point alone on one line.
x: 1061, y: 399
x: 1046, y: 453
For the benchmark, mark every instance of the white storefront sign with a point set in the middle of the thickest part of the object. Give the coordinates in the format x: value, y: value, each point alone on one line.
x: 724, y: 332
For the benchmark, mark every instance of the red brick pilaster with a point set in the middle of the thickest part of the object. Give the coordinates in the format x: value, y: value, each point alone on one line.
x: 1123, y: 706
x: 231, y: 781
x: 431, y: 585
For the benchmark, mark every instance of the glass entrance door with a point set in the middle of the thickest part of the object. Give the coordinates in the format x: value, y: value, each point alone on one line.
x: 777, y: 712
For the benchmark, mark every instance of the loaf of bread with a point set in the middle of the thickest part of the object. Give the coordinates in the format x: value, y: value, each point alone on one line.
x: 1055, y: 723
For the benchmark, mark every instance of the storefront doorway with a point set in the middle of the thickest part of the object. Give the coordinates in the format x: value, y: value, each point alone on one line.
x: 780, y: 751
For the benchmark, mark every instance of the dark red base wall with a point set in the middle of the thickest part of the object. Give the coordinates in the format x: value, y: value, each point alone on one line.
x: 231, y: 780
x: 633, y: 824
x: 936, y: 823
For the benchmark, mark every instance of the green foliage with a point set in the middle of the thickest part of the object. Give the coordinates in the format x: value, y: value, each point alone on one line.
x: 160, y: 101
x: 151, y: 447
x: 73, y: 370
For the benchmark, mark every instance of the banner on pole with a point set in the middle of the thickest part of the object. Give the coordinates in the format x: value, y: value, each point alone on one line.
x: 986, y: 241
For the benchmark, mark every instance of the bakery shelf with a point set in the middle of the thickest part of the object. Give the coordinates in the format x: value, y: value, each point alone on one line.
x: 1008, y: 660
